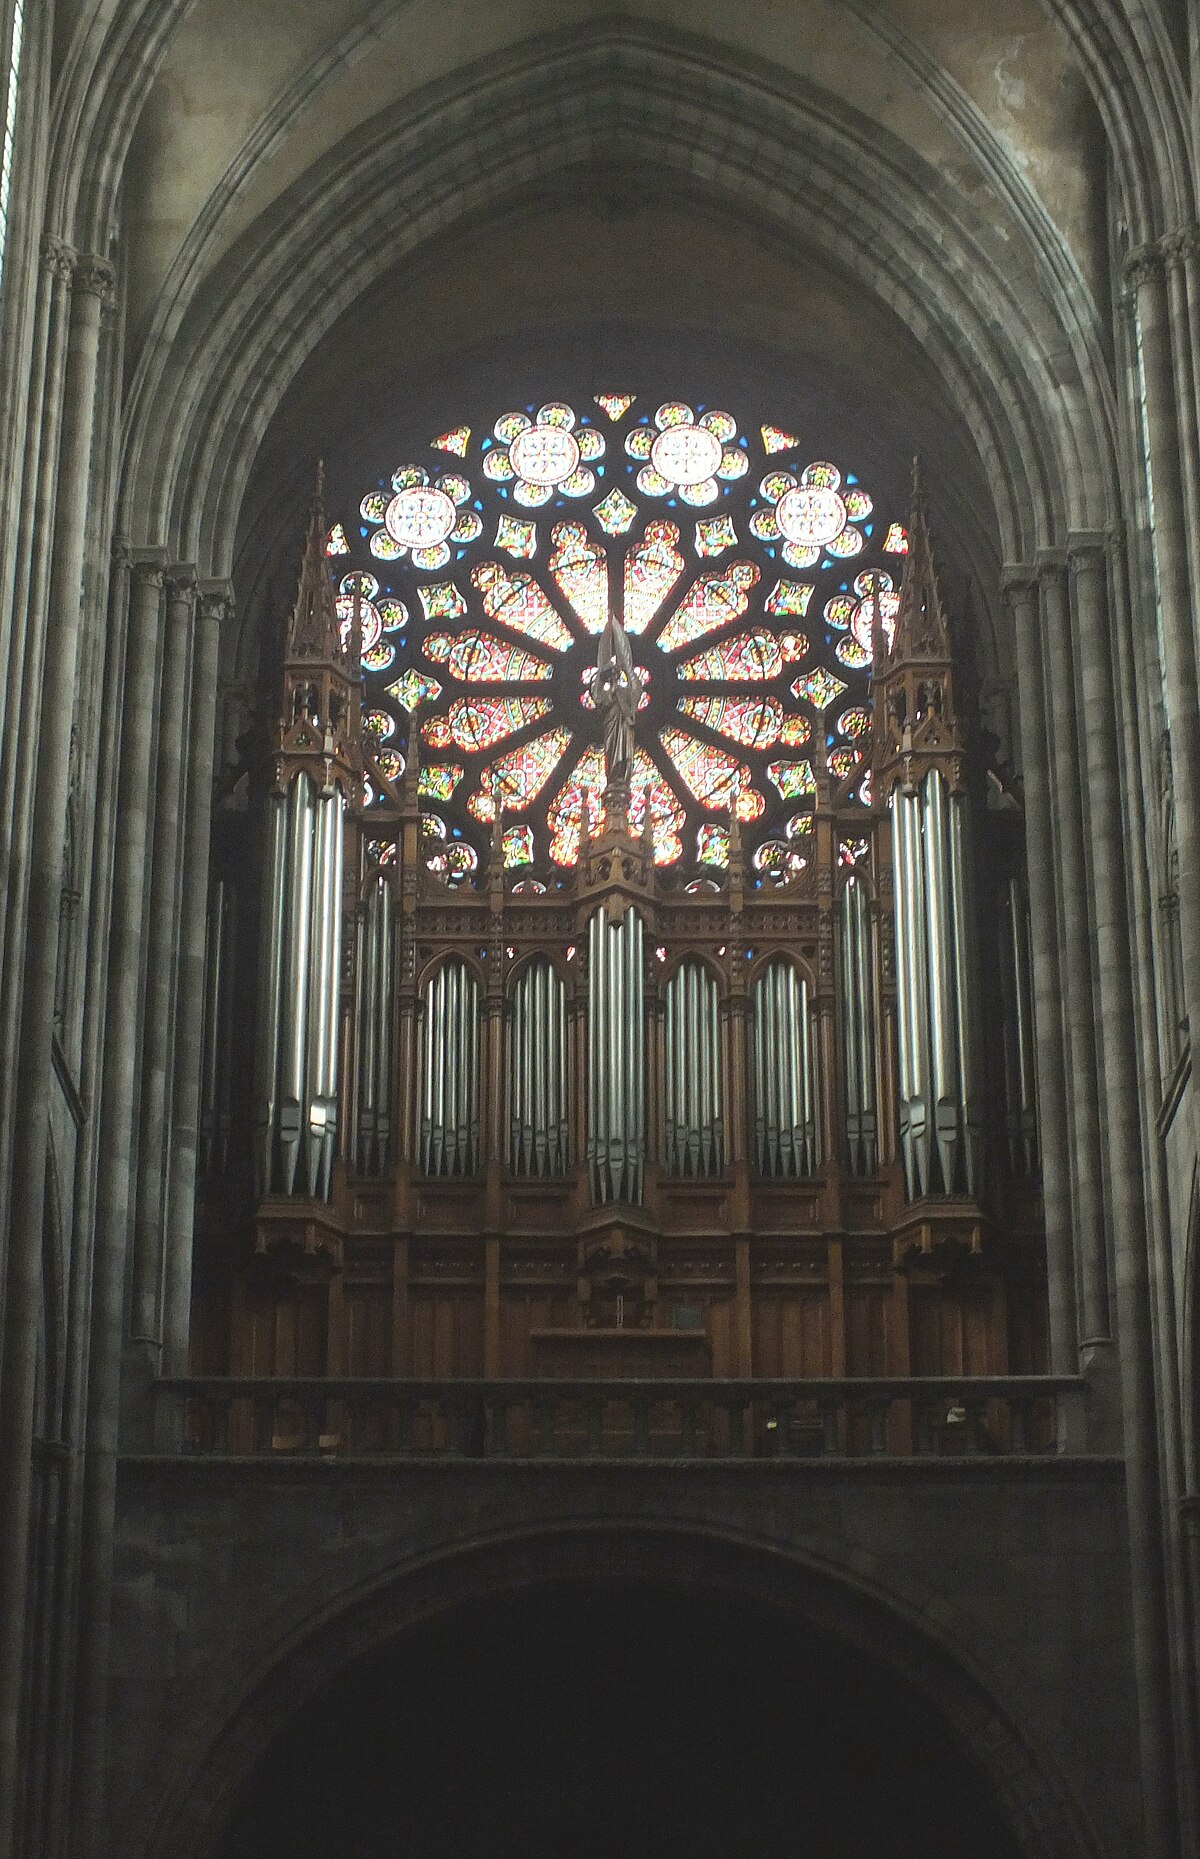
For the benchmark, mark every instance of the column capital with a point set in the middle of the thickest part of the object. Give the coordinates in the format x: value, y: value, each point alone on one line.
x: 58, y: 257
x: 1087, y: 548
x: 216, y: 599
x: 1051, y: 564
x: 1017, y: 578
x: 1142, y: 264
x: 95, y: 277
x: 181, y: 580
x: 1182, y: 244
x: 149, y: 566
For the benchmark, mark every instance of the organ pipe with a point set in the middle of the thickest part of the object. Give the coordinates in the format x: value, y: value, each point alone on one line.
x: 785, y: 1092
x: 448, y: 1134
x: 940, y: 1109
x: 858, y: 1029
x: 375, y: 1039
x: 1017, y: 995
x: 694, y: 1130
x: 616, y: 1135
x: 296, y: 1094
x: 537, y: 1072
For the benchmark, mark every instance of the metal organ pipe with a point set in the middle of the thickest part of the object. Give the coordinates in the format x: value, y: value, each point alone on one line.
x: 1017, y: 986
x: 858, y: 1029
x: 538, y: 1072
x: 936, y: 1009
x: 616, y: 1138
x: 375, y: 1004
x: 296, y: 1092
x: 694, y: 1129
x: 785, y: 1085
x: 448, y: 1134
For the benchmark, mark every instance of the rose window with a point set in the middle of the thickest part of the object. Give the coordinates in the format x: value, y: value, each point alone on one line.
x: 488, y: 593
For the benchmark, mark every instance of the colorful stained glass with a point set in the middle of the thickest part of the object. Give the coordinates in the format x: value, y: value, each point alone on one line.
x: 581, y: 794
x: 865, y: 790
x: 390, y: 764
x: 481, y: 658
x: 615, y: 405
x: 369, y: 619
x: 335, y: 541
x: 580, y: 568
x: 776, y: 440
x: 873, y: 586
x: 858, y: 504
x: 838, y: 612
x: 788, y: 597
x: 456, y: 441
x: 529, y: 887
x: 454, y: 861
x: 413, y: 688
x: 896, y: 540
x: 379, y: 658
x: 379, y: 725
x: 442, y: 601
x: 795, y: 731
x: 854, y: 723
x: 647, y: 788
x: 818, y: 687
x: 516, y: 601
x: 712, y: 844
x: 843, y: 762
x: 777, y: 861
x: 855, y: 657
x: 715, y: 534
x: 793, y: 779
x: 799, y: 826
x: 852, y: 851
x: 373, y: 505
x: 747, y: 658
x: 517, y: 535
x: 438, y: 780
x: 518, y: 846
x: 754, y: 722
x: 615, y: 512
x: 652, y: 567
x: 848, y: 543
x: 712, y: 601
x: 712, y: 775
x: 381, y: 852
x: 478, y: 723
x: 394, y: 614
x: 516, y: 778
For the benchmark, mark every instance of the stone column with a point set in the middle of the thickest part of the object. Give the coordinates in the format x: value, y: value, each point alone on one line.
x: 1020, y: 591
x: 160, y: 967
x: 26, y: 653
x: 114, y: 1184
x: 1110, y: 920
x: 1064, y: 746
x: 1145, y: 273
x: 32, y: 1082
x: 214, y: 605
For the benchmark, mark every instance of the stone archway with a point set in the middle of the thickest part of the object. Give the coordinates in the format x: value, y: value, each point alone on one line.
x: 932, y: 1738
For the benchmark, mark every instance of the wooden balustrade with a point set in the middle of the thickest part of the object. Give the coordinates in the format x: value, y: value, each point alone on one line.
x: 1010, y: 1416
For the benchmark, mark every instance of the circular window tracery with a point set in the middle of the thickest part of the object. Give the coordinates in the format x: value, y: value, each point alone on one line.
x: 492, y: 582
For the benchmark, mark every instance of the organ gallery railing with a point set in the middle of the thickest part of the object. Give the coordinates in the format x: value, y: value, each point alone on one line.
x: 913, y: 1418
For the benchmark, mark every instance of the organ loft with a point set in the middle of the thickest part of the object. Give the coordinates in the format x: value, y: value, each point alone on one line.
x: 618, y: 958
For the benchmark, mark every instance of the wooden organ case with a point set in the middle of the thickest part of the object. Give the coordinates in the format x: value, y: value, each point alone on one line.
x: 625, y: 1127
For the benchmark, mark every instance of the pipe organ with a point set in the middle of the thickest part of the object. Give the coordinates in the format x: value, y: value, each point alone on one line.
x: 693, y: 1127
x: 749, y: 1120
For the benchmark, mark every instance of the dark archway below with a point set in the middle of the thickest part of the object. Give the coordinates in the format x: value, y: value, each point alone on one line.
x: 590, y: 1720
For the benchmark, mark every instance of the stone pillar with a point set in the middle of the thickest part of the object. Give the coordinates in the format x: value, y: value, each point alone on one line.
x: 1145, y: 273
x: 1110, y: 920
x: 1064, y: 754
x: 160, y: 968
x: 26, y: 653
x: 93, y: 280
x: 1020, y: 590
x: 114, y: 1184
x: 213, y: 607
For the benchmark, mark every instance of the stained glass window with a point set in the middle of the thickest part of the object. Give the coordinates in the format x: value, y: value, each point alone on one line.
x: 483, y: 571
